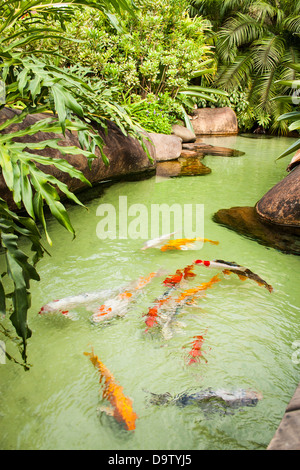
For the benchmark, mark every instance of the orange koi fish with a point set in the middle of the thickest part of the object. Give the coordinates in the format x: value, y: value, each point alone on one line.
x: 122, y: 409
x: 184, y: 243
x: 173, y: 306
x: 232, y: 267
x: 190, y: 294
x: 180, y: 274
x: 195, y: 354
x: 119, y: 304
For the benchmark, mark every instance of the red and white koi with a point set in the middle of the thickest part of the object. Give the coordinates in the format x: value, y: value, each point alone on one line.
x: 118, y: 305
x: 172, y: 282
x: 231, y: 267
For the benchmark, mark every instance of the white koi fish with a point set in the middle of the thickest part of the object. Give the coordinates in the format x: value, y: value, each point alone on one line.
x: 66, y: 304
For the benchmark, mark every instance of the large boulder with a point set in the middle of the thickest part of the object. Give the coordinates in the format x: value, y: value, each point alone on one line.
x: 216, y: 121
x: 167, y: 147
x: 125, y: 154
x: 280, y: 206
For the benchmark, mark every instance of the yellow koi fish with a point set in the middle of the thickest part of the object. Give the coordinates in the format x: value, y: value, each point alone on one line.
x: 122, y: 409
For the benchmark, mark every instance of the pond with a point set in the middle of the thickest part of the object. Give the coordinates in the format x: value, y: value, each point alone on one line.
x: 249, y: 333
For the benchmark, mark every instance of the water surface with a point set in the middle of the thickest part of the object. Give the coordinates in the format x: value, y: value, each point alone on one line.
x: 249, y: 332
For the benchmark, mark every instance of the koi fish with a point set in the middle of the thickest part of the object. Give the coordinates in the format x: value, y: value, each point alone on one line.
x: 152, y: 315
x: 119, y: 304
x: 190, y: 294
x: 232, y: 399
x: 66, y: 304
x: 172, y: 306
x: 195, y: 354
x: 232, y: 267
x: 157, y: 241
x: 171, y: 281
x: 180, y: 274
x: 121, y: 409
x: 185, y: 243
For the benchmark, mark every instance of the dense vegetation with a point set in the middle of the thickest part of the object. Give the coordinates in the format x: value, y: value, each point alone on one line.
x: 255, y: 43
x: 143, y: 66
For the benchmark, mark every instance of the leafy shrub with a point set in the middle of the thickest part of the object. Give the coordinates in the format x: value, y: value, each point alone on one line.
x: 157, y: 50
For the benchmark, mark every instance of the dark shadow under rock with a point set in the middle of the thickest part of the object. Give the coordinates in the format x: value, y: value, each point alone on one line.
x: 245, y: 221
x: 190, y: 166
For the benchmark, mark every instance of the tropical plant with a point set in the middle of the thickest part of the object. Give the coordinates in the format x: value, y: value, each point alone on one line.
x: 293, y: 117
x: 255, y: 41
x: 33, y: 84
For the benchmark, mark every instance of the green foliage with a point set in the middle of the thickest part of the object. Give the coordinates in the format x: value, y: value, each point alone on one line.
x: 157, y: 51
x: 153, y: 113
x: 35, y: 84
x: 255, y: 41
x: 293, y: 118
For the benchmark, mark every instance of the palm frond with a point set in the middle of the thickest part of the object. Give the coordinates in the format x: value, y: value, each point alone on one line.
x: 267, y: 53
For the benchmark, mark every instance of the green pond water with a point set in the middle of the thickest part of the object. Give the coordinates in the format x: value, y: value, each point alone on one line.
x: 249, y: 333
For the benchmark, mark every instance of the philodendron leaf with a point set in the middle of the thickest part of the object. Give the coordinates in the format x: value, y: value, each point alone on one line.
x: 20, y: 271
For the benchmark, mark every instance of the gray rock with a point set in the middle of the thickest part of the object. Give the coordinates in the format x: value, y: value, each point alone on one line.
x: 184, y: 133
x: 216, y: 121
x: 167, y: 147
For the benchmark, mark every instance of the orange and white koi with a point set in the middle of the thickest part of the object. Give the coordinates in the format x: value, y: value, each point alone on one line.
x: 122, y: 409
x: 185, y: 243
x: 118, y: 305
x: 195, y: 354
x: 232, y: 267
x: 173, y: 305
x: 157, y: 241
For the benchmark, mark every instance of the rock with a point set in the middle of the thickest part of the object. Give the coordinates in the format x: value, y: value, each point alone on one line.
x: 245, y: 221
x: 287, y: 436
x: 294, y: 162
x: 167, y: 147
x: 125, y: 154
x: 188, y: 153
x: 220, y: 121
x: 185, y: 134
x: 190, y: 166
x: 207, y: 149
x: 280, y: 206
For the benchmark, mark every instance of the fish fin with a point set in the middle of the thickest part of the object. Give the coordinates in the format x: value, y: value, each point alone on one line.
x: 108, y: 410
